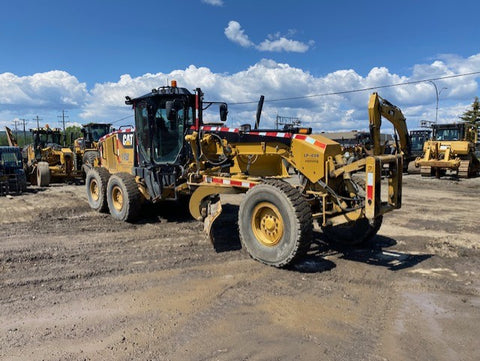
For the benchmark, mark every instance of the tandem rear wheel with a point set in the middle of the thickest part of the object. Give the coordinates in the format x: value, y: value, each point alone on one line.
x: 96, y: 184
x: 123, y: 197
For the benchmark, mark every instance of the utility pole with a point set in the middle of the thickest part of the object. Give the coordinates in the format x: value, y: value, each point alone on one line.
x: 63, y: 116
x: 24, y: 121
x: 38, y: 121
x: 15, y: 122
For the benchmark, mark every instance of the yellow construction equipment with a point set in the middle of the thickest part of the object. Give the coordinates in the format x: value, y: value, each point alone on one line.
x: 173, y: 152
x: 85, y: 148
x: 453, y: 149
x: 47, y: 160
x: 378, y: 108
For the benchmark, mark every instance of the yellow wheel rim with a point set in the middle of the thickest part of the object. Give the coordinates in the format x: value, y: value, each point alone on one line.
x: 94, y: 190
x: 117, y: 198
x: 267, y: 224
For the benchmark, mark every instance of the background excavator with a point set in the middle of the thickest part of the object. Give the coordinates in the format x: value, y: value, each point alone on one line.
x: 378, y: 108
x: 173, y: 153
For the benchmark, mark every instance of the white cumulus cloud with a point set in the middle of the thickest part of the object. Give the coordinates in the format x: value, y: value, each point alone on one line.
x: 273, y: 43
x: 283, y: 44
x: 236, y: 34
x: 304, y: 94
x: 42, y: 90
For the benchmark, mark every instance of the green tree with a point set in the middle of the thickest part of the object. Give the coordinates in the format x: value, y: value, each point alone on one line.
x: 72, y: 132
x: 472, y: 115
x: 3, y: 139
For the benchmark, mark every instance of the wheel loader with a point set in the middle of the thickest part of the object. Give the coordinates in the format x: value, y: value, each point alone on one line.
x: 451, y: 149
x: 173, y: 153
x: 85, y: 148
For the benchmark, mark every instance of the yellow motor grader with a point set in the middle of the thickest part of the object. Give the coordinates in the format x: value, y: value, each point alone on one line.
x: 452, y: 148
x: 47, y: 160
x: 85, y: 148
x: 173, y: 153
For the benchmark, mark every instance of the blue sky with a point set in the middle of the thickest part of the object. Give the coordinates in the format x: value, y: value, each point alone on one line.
x: 85, y: 56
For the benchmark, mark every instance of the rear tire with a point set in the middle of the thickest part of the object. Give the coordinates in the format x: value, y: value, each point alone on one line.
x: 43, y: 174
x: 96, y: 183
x: 123, y: 197
x: 275, y: 223
x: 353, y: 233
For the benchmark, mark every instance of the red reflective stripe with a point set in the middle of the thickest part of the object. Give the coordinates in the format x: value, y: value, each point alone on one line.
x: 369, y: 192
x: 300, y: 136
x: 236, y: 183
x: 320, y: 144
x: 217, y: 180
x: 272, y: 134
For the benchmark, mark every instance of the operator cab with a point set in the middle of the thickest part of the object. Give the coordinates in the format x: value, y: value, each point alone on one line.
x: 450, y: 132
x: 92, y: 132
x: 44, y: 138
x: 418, y: 138
x: 161, y: 120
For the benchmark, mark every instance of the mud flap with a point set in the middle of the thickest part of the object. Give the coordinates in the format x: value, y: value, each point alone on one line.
x: 214, y: 209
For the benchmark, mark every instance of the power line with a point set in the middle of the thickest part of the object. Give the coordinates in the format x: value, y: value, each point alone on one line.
x: 360, y: 90
x: 118, y: 120
x: 343, y: 91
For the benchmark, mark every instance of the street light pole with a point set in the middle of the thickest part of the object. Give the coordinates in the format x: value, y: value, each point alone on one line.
x: 437, y: 93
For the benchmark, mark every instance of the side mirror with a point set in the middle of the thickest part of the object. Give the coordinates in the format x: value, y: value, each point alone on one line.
x: 170, y: 109
x: 223, y: 112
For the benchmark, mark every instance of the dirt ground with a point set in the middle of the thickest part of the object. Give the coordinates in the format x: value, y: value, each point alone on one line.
x: 77, y: 285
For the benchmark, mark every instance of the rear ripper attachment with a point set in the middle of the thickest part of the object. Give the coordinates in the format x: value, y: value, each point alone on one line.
x: 178, y: 155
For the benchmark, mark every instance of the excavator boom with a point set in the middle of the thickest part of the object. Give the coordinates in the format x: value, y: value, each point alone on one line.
x: 378, y: 108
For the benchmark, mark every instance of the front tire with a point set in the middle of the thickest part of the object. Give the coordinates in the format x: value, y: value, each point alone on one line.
x: 96, y: 183
x: 123, y: 197
x: 275, y: 223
